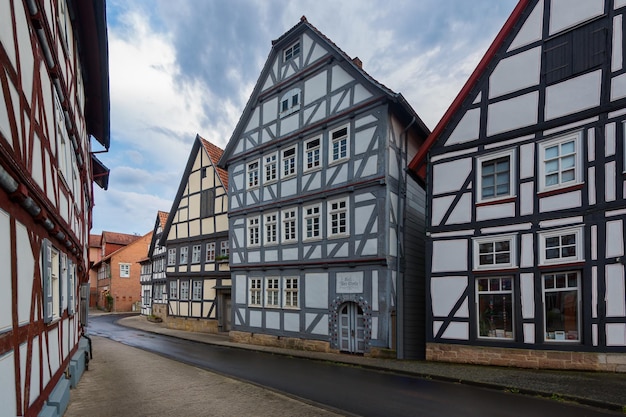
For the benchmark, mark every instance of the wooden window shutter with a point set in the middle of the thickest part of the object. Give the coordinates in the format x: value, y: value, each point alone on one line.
x: 46, y: 276
x: 71, y: 287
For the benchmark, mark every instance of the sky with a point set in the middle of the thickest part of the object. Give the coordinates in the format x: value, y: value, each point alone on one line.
x: 178, y: 68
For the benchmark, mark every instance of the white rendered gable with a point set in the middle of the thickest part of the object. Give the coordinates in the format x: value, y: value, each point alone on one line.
x: 567, y: 13
x: 531, y: 30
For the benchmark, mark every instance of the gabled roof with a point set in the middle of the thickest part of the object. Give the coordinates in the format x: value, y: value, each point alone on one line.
x: 118, y: 238
x: 418, y: 164
x: 396, y: 99
x: 95, y: 241
x: 120, y: 250
x: 160, y: 221
x: 162, y: 216
x: 213, y: 153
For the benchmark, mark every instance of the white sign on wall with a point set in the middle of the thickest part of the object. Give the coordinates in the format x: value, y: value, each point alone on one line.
x: 350, y: 282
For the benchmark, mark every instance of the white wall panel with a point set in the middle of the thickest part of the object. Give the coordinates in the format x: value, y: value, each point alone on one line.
x: 316, y: 290
x: 449, y: 255
x: 517, y: 112
x: 457, y: 331
x: 614, y: 238
x: 531, y: 30
x: 560, y: 201
x: 573, y: 95
x: 619, y: 3
x: 494, y: 211
x: 26, y: 271
x: 5, y: 271
x: 255, y: 318
x: 515, y: 73
x: 591, y: 185
x: 594, y: 292
x: 527, y: 292
x: 527, y: 160
x: 321, y: 327
x: 616, y: 334
x: 7, y: 396
x: 616, y: 58
x: 527, y: 198
x: 240, y: 286
x: 443, y: 182
x: 527, y: 256
x: 467, y: 128
x: 609, y: 181
x: 615, y: 291
x: 339, y: 78
x: 462, y: 212
x: 568, y: 13
x: 529, y: 333
x: 272, y: 320
x: 445, y: 292
x: 292, y: 322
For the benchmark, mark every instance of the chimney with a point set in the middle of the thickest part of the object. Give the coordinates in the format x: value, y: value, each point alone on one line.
x: 357, y: 62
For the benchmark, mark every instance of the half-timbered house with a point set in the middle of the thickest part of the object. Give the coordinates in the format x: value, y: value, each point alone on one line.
x: 526, y: 189
x: 55, y: 96
x: 153, y: 279
x: 317, y: 206
x: 196, y: 238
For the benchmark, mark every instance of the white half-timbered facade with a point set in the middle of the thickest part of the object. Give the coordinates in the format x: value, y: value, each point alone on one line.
x: 526, y: 184
x: 317, y: 231
x: 196, y: 238
x: 153, y: 278
x: 54, y: 96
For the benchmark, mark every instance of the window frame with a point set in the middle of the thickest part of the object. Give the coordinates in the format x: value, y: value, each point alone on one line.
x: 171, y: 256
x: 253, y: 225
x: 196, y: 251
x: 500, y: 291
x: 253, y: 174
x: 272, y: 177
x: 477, y: 241
x: 196, y: 290
x: 306, y: 217
x: 287, y: 288
x: 210, y: 252
x: 225, y: 249
x: 124, y: 266
x: 291, y: 160
x: 290, y: 102
x: 331, y: 145
x: 255, y: 292
x: 331, y: 212
x: 272, y: 291
x: 173, y: 290
x: 577, y: 231
x: 316, y: 158
x: 578, y: 304
x: 576, y: 137
x: 479, y: 175
x: 289, y: 223
x: 184, y: 290
x: 292, y: 51
x: 273, y: 223
x: 183, y: 255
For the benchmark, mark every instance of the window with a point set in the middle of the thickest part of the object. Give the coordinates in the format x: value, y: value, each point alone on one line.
x: 312, y: 220
x: 196, y: 294
x: 210, y: 252
x: 173, y: 289
x: 171, y: 256
x: 272, y: 298
x: 289, y: 225
x: 253, y: 231
x: 339, y: 144
x: 292, y: 51
x: 195, y: 254
x: 271, y: 228
x: 124, y: 270
x: 495, y: 252
x: 289, y: 162
x: 271, y: 167
x: 561, y: 300
x: 146, y: 297
x: 253, y: 174
x: 290, y: 292
x: 560, y: 162
x: 203, y: 172
x: 290, y: 102
x: 183, y: 255
x: 51, y: 276
x: 224, y: 249
x: 495, y: 176
x: 254, y: 290
x: 495, y: 307
x: 559, y: 246
x: 184, y: 290
x: 575, y: 51
x: 312, y: 154
x: 338, y: 218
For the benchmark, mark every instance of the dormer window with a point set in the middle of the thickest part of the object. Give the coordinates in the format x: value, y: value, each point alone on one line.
x: 290, y: 102
x: 292, y: 52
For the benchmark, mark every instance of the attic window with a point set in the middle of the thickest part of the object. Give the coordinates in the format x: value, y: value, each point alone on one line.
x: 290, y: 102
x: 292, y: 52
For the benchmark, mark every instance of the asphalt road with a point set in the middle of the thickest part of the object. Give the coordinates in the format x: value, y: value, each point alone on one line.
x: 354, y: 390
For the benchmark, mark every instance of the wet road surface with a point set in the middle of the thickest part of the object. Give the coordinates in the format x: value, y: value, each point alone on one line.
x: 354, y: 390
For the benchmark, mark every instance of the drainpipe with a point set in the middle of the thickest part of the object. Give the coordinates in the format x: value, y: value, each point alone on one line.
x: 401, y: 209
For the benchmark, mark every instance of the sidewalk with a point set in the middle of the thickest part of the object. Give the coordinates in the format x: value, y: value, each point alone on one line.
x: 598, y: 389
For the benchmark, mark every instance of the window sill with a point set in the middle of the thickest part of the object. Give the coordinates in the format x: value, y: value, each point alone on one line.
x: 338, y: 162
x: 563, y: 265
x: 557, y: 191
x: 312, y: 170
x: 496, y: 201
x: 487, y: 271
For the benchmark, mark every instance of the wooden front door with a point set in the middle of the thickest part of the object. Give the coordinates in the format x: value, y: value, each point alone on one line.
x: 351, y: 328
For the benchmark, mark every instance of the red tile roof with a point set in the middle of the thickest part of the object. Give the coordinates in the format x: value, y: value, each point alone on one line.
x: 215, y: 153
x: 163, y: 218
x: 94, y: 241
x: 119, y: 238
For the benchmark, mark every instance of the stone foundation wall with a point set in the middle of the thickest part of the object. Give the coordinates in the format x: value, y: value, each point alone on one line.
x: 526, y: 358
x: 190, y: 324
x: 159, y: 310
x: 280, y: 341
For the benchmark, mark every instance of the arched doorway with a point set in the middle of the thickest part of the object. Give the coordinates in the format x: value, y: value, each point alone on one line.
x: 351, y: 328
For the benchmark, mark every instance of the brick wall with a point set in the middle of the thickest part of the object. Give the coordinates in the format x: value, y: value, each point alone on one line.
x: 526, y: 358
x: 127, y: 291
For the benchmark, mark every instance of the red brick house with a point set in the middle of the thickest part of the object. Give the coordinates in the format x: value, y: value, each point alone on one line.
x: 118, y: 284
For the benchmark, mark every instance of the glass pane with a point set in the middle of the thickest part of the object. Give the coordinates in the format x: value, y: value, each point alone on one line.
x: 486, y: 259
x: 568, y: 239
x: 567, y: 148
x: 495, y: 317
x: 488, y: 181
x: 503, y: 258
x: 552, y: 253
x: 502, y: 166
x: 552, y: 152
x: 494, y: 284
x: 549, y: 281
x: 567, y: 176
x: 488, y: 168
x: 485, y: 247
x: 572, y: 280
x: 503, y: 246
x: 552, y: 179
x: 506, y: 284
x: 552, y: 242
x: 561, y: 313
x: 560, y: 280
x: 568, y: 251
x: 483, y: 284
x: 488, y: 192
x: 568, y: 162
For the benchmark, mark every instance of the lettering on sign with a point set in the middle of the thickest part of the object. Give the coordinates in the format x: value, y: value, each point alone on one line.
x: 349, y: 283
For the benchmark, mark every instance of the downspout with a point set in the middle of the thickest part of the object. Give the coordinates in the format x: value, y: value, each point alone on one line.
x: 399, y: 238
